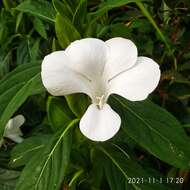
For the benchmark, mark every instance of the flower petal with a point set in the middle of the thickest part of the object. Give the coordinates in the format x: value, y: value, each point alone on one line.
x: 59, y: 79
x: 100, y: 124
x: 138, y: 82
x: 122, y: 55
x: 12, y: 129
x: 18, y: 121
x: 15, y: 138
x: 87, y: 56
x: 13, y: 126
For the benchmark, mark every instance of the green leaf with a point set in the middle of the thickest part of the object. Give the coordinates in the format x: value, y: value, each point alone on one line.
x: 18, y: 21
x: 114, y: 177
x: 15, y: 88
x: 161, y: 35
x: 129, y: 168
x: 7, y: 4
x: 65, y: 31
x: 154, y: 129
x: 80, y: 15
x: 40, y: 27
x: 108, y: 5
x: 24, y: 151
x: 8, y: 179
x: 40, y: 8
x: 63, y: 9
x: 34, y: 50
x: 78, y: 103
x: 48, y: 172
x: 58, y: 112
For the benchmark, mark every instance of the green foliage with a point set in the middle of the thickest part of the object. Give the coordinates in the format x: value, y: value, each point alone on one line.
x: 54, y: 157
x: 78, y: 103
x: 39, y: 8
x: 24, y: 151
x: 153, y: 142
x: 16, y: 87
x: 121, y: 162
x: 65, y: 31
x: 58, y: 112
x: 156, y: 130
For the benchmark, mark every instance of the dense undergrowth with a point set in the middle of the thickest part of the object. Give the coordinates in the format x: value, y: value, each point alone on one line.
x: 153, y: 146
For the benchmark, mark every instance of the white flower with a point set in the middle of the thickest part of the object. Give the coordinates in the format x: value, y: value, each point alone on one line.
x: 12, y: 129
x: 98, y: 69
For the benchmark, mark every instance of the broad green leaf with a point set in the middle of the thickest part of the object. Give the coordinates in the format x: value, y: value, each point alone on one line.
x: 48, y: 172
x: 155, y: 129
x: 58, y: 112
x: 115, y: 178
x: 65, y: 31
x: 97, y: 170
x: 15, y: 88
x: 24, y: 151
x: 78, y: 103
x: 129, y: 168
x: 40, y: 8
x: 40, y: 27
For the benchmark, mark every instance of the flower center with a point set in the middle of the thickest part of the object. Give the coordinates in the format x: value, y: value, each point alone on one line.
x: 100, y: 101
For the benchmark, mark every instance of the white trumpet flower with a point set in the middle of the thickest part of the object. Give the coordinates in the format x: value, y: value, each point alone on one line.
x: 12, y: 129
x: 99, y: 69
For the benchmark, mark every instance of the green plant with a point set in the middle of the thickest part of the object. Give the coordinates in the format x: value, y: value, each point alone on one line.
x: 153, y: 142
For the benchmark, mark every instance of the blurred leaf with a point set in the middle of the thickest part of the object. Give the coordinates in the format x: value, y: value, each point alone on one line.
x: 22, y: 52
x: 34, y: 50
x: 115, y: 178
x: 108, y: 5
x: 174, y: 104
x: 65, y: 31
x: 7, y: 4
x: 18, y: 21
x: 40, y: 8
x: 4, y: 63
x: 8, y: 179
x: 48, y: 172
x: 154, y: 24
x: 154, y: 129
x: 80, y: 15
x: 63, y: 9
x: 180, y: 90
x: 40, y: 27
x: 185, y: 66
